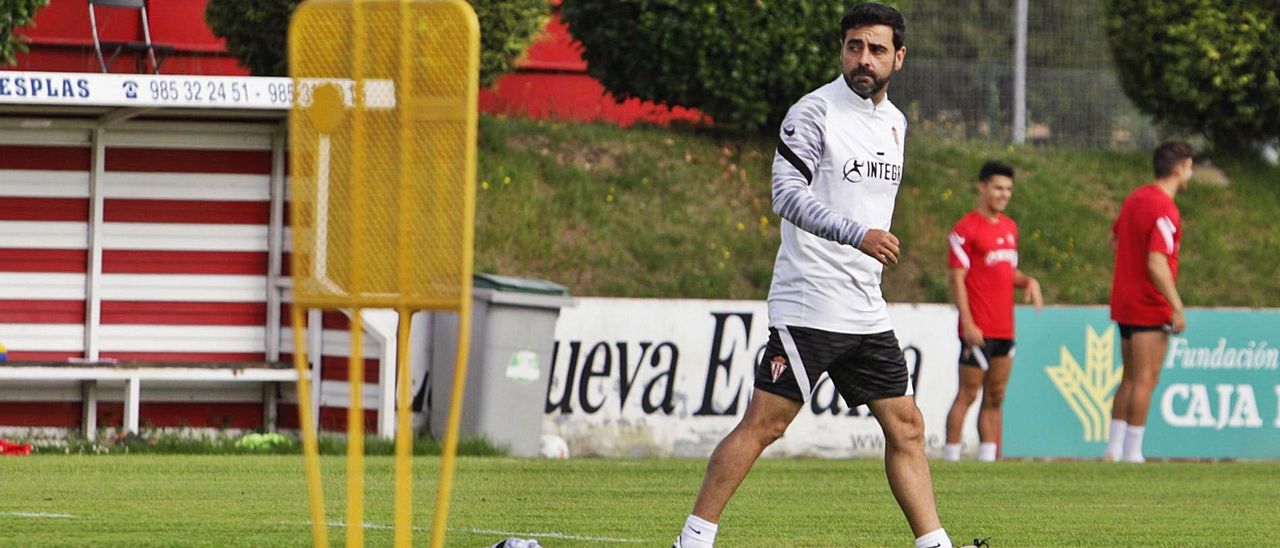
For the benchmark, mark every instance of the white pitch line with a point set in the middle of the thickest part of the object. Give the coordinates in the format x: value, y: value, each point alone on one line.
x: 544, y: 535
x: 40, y: 515
x: 565, y: 536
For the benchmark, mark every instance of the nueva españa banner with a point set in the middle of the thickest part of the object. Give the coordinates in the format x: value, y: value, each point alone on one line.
x: 1218, y: 395
x: 659, y: 377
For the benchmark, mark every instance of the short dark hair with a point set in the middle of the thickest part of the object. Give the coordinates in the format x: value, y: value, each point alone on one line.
x: 1169, y: 155
x: 872, y: 13
x: 993, y: 168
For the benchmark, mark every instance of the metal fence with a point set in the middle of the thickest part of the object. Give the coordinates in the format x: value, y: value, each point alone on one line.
x: 961, y: 74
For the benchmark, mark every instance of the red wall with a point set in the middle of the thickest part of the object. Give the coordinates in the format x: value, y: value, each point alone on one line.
x: 551, y: 81
x: 62, y: 41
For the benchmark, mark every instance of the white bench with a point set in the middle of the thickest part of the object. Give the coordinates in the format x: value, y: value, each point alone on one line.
x: 133, y: 373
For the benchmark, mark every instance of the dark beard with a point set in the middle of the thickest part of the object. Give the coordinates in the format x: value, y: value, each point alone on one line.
x: 865, y: 91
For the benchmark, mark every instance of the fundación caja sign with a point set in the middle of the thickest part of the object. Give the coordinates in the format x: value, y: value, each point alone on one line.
x: 1218, y: 396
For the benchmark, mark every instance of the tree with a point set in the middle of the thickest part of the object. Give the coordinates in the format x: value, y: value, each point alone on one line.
x: 256, y: 31
x: 741, y: 62
x: 13, y: 15
x: 1203, y: 66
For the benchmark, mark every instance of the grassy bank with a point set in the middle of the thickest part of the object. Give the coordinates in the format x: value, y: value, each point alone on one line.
x: 681, y: 212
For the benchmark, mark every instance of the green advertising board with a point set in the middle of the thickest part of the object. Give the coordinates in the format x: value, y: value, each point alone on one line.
x: 1218, y: 396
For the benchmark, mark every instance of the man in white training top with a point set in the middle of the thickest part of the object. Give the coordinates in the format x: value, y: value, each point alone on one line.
x: 835, y: 179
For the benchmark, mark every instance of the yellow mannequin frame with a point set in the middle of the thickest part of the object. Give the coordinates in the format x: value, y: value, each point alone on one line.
x: 382, y: 162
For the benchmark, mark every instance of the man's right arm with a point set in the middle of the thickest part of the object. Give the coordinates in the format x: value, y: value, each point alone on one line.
x: 958, y: 262
x: 969, y: 329
x: 1162, y: 277
x: 798, y: 158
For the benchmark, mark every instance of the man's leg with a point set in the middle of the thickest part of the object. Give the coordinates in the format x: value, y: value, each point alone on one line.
x: 1120, y: 403
x: 1148, y: 348
x: 904, y: 461
x: 766, y: 418
x: 971, y: 379
x: 991, y: 414
x: 1148, y: 355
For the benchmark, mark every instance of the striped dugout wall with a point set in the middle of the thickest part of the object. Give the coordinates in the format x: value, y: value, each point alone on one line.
x: 184, y: 274
x: 184, y: 253
x: 333, y: 389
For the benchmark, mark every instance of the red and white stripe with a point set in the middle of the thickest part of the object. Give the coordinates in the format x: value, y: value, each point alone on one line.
x: 184, y: 278
x: 183, y: 273
x: 1167, y: 229
x: 44, y: 209
x: 334, y: 389
x: 184, y: 253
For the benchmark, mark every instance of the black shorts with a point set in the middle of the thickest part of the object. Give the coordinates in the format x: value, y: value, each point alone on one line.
x: 991, y: 348
x: 862, y: 367
x: 1127, y: 330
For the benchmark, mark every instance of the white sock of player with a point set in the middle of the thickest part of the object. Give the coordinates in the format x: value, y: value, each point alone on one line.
x: 1133, y: 444
x: 698, y: 533
x: 935, y: 539
x: 951, y: 452
x: 987, y: 451
x: 1115, y: 444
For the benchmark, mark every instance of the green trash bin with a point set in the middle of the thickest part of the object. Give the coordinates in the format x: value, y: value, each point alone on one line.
x: 512, y: 336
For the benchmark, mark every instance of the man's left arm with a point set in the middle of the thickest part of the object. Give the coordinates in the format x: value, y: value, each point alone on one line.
x: 1031, y: 286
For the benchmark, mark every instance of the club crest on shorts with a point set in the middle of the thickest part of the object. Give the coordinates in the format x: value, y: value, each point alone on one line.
x: 777, y: 367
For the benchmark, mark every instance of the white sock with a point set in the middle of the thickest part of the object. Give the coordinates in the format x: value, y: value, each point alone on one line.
x: 1115, y: 443
x: 951, y: 452
x: 698, y: 533
x: 936, y: 539
x: 987, y: 451
x: 1133, y: 444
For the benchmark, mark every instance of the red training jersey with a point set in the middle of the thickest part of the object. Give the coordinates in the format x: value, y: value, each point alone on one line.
x: 988, y: 250
x: 1149, y: 221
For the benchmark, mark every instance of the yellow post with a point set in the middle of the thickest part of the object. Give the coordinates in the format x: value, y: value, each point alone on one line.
x: 382, y: 151
x: 355, y: 434
x: 404, y: 436
x: 310, y: 448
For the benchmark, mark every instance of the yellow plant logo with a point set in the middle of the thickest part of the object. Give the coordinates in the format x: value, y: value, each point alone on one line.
x: 1089, y: 390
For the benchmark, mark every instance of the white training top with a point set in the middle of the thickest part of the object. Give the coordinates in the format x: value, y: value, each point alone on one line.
x: 835, y: 176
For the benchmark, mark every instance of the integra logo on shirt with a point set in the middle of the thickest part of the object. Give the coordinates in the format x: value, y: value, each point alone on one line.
x: 858, y: 170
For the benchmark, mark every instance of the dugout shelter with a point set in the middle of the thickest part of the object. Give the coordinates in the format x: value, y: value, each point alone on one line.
x: 144, y: 259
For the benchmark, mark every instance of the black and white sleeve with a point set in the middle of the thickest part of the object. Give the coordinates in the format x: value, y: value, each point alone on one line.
x: 795, y: 164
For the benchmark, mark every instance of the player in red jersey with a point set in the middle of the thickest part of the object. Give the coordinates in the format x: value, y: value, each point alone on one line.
x: 984, y: 272
x: 1144, y: 297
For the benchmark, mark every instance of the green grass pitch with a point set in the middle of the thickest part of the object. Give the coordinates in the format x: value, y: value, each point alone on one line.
x: 219, y: 500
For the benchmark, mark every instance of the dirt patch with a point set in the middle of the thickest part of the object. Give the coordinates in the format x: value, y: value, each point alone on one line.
x: 525, y: 142
x: 597, y: 157
x: 1208, y: 174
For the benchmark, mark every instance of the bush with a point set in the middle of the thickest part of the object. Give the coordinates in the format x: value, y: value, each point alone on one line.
x: 742, y: 63
x: 1202, y: 66
x: 15, y: 14
x: 507, y: 28
x: 256, y: 30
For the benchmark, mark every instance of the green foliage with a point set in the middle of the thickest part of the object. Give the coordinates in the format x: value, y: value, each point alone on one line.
x: 742, y: 63
x: 680, y: 213
x: 1071, y: 89
x: 1201, y: 65
x: 157, y: 442
x: 1060, y: 34
x: 507, y: 28
x: 13, y: 15
x: 256, y: 32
